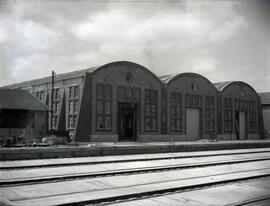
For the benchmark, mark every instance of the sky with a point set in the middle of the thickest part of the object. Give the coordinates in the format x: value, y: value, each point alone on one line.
x: 221, y: 40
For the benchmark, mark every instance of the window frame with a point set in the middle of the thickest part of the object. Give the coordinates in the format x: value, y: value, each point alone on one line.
x: 103, y: 99
x: 210, y: 119
x: 175, y: 105
x: 252, y: 117
x: 228, y: 109
x: 151, y: 103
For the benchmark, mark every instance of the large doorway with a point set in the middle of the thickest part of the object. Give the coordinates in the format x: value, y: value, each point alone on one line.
x: 127, y: 121
x: 240, y: 125
x: 193, y: 123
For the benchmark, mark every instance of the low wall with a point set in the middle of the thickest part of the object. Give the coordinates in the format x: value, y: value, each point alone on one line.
x: 103, y: 149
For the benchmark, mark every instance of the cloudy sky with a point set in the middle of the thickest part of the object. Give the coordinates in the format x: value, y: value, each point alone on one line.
x: 222, y: 40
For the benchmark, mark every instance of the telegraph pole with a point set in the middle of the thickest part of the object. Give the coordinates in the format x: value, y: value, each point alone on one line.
x: 53, y: 75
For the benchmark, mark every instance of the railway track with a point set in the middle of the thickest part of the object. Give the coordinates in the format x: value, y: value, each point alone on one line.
x: 26, y: 164
x: 154, y: 179
x: 122, y: 172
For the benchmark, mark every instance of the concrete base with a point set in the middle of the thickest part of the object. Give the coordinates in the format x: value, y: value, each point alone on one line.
x: 103, y: 149
x: 103, y: 138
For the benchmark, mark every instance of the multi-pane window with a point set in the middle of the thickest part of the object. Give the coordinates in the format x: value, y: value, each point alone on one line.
x: 54, y: 122
x: 150, y: 110
x: 126, y: 94
x: 176, y: 112
x: 252, y: 117
x: 241, y: 105
x: 209, y: 114
x: 40, y: 95
x: 193, y: 100
x: 56, y: 94
x: 73, y: 91
x: 228, y: 120
x: 73, y: 105
x: 104, y: 107
x: 72, y: 121
x: 55, y: 106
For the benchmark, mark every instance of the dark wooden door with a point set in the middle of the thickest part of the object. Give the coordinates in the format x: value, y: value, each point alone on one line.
x: 127, y: 122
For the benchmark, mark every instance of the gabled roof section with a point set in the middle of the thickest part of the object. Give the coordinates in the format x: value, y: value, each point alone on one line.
x: 20, y: 99
x: 58, y: 77
x: 265, y: 98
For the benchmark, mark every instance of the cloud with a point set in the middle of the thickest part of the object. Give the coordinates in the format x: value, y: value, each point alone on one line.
x: 166, y: 37
x: 229, y: 28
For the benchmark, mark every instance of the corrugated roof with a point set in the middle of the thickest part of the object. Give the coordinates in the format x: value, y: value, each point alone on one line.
x: 47, y: 79
x: 20, y: 99
x: 265, y: 97
x: 167, y: 78
x: 221, y: 85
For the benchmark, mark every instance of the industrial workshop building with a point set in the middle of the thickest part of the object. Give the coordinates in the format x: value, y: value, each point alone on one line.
x: 124, y: 101
x: 265, y: 102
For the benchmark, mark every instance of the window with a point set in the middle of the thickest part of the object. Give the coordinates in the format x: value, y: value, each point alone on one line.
x: 73, y: 91
x: 104, y: 107
x: 241, y: 105
x: 228, y: 121
x: 176, y: 112
x: 56, y: 94
x: 54, y: 121
x: 150, y: 110
x: 193, y: 100
x: 40, y: 95
x: 209, y: 114
x: 55, y: 107
x: 252, y: 117
x: 72, y: 121
x: 126, y: 94
x: 72, y: 106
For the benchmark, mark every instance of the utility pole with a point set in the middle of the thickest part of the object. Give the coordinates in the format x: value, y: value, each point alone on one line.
x: 53, y: 75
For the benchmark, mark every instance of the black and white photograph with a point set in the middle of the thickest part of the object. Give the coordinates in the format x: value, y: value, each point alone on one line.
x: 135, y: 102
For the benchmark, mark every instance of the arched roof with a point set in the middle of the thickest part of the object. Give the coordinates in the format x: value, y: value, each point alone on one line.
x: 167, y: 79
x: 221, y: 86
x: 105, y: 66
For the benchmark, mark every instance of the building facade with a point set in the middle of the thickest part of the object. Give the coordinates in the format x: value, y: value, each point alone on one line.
x: 124, y: 101
x: 240, y: 111
x: 265, y: 99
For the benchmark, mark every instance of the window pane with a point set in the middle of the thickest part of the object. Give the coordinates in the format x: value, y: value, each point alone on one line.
x: 153, y: 110
x: 99, y: 91
x: 76, y: 91
x: 99, y: 107
x: 100, y: 122
x: 107, y: 107
x: 107, y: 122
x: 76, y: 106
x: 74, y: 120
x: 147, y: 123
x: 154, y: 124
x: 70, y: 92
x: 108, y: 92
x: 71, y: 107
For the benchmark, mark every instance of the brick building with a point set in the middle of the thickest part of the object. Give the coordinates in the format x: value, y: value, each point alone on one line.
x: 124, y: 101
